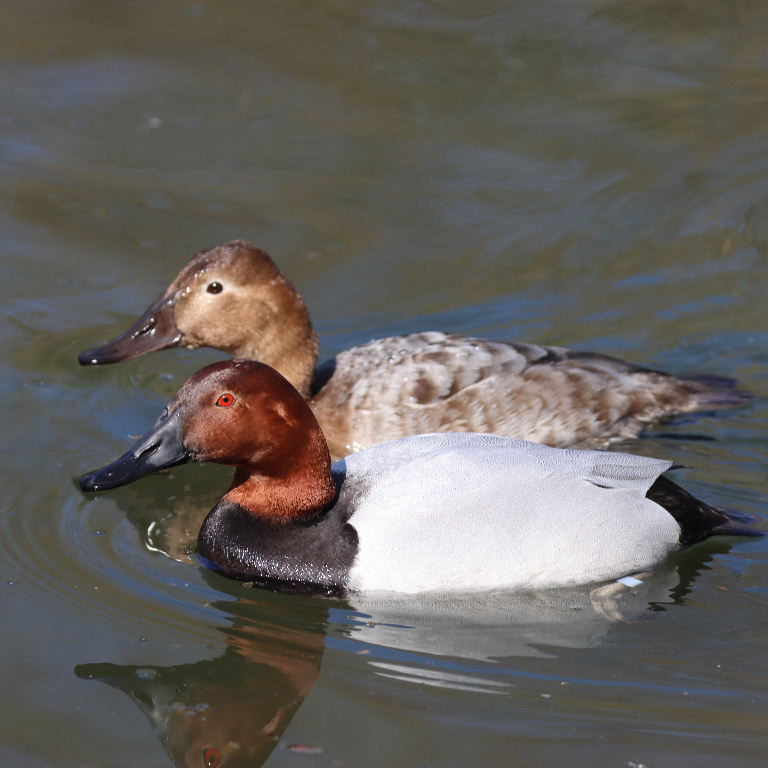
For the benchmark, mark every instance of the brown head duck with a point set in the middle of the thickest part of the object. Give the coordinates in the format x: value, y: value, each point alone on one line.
x: 234, y: 298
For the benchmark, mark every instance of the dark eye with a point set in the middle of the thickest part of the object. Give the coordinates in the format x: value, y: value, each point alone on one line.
x: 225, y: 400
x: 214, y: 287
x: 211, y: 757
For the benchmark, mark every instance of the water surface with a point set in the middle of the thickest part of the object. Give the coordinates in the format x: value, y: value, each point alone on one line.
x: 586, y: 173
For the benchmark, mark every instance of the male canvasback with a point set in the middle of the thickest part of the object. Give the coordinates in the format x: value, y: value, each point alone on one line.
x: 234, y: 298
x: 440, y: 512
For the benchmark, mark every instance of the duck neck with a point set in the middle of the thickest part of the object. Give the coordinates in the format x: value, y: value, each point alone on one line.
x: 288, y: 342
x: 308, y: 555
x: 266, y: 530
x: 280, y: 500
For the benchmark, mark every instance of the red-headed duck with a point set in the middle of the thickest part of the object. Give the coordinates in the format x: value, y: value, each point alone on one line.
x: 234, y: 298
x: 445, y: 512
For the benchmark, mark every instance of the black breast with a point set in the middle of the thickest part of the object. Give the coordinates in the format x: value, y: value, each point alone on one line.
x: 307, y: 556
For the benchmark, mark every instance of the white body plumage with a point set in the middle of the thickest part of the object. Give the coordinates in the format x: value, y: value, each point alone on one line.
x: 525, y: 515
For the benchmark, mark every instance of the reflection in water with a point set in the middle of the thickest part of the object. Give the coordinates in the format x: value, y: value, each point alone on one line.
x: 231, y: 710
x: 167, y: 512
x: 497, y: 625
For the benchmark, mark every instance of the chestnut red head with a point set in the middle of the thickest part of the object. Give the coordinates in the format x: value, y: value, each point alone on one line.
x: 244, y: 413
x: 237, y: 412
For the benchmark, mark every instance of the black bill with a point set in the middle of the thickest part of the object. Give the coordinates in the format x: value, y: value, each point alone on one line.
x: 160, y: 447
x: 155, y: 329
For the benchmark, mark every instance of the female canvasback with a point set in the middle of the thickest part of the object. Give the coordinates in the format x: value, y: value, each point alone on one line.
x: 234, y: 298
x: 441, y: 512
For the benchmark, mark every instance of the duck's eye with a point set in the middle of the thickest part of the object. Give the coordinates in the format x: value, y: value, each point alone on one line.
x: 225, y: 400
x: 211, y: 757
x: 214, y: 287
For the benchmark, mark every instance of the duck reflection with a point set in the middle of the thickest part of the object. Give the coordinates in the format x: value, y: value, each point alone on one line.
x: 231, y: 711
x: 168, y: 509
x: 489, y: 626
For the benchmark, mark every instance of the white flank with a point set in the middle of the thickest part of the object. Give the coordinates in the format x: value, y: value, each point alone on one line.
x: 455, y: 512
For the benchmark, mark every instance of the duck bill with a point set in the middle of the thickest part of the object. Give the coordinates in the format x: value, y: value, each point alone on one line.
x: 159, y: 448
x: 155, y: 329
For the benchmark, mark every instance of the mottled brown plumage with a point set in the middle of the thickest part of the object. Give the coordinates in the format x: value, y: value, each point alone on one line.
x: 234, y: 298
x: 435, y: 382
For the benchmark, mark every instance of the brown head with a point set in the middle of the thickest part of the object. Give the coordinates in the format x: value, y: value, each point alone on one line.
x: 245, y: 414
x: 231, y: 297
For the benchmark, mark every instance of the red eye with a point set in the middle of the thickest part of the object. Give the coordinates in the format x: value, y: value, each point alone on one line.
x: 225, y: 400
x: 211, y: 756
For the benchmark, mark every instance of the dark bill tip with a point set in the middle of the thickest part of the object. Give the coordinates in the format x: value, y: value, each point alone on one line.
x: 161, y: 447
x: 155, y: 329
x: 123, y: 470
x: 98, y: 356
x: 131, y: 344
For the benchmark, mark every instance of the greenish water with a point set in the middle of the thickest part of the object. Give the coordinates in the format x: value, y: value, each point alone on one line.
x: 590, y: 174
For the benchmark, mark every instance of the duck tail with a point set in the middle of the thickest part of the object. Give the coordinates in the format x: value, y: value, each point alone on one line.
x: 736, y: 524
x: 697, y: 519
x: 711, y: 393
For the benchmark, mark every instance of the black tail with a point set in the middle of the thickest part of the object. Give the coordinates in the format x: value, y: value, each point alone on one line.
x: 697, y: 519
x: 711, y: 393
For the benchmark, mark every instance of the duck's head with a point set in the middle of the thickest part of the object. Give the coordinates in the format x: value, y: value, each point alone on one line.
x: 231, y: 297
x: 245, y: 414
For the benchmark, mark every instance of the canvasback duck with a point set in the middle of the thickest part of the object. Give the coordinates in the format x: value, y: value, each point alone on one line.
x: 440, y: 512
x: 234, y: 298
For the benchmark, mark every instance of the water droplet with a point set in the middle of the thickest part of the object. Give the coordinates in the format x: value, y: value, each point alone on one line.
x: 306, y: 749
x: 146, y: 674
